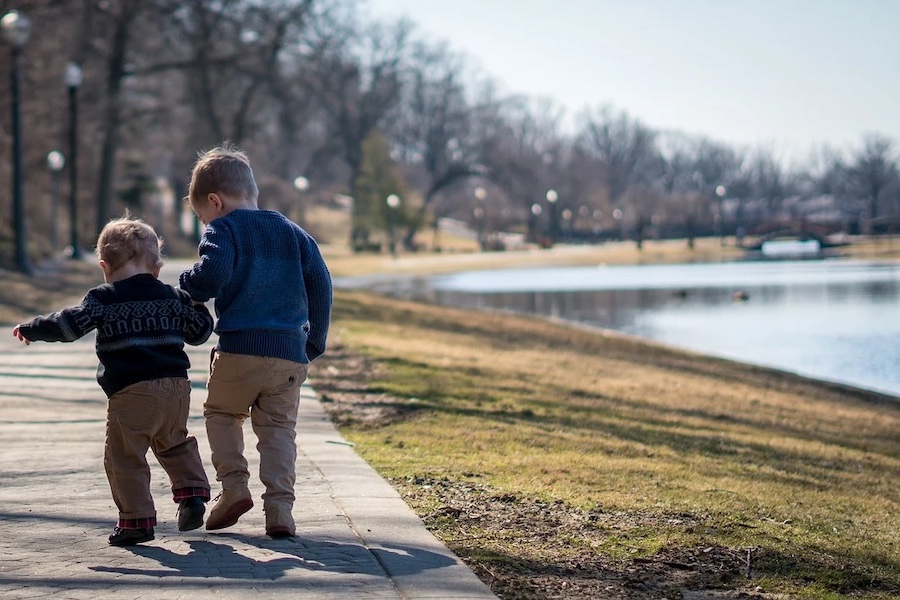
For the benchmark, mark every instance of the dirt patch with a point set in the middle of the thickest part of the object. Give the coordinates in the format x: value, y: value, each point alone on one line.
x: 343, y: 383
x: 526, y: 549
x: 523, y: 548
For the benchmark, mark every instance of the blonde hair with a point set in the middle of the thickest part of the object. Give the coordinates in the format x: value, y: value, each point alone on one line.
x: 223, y: 169
x: 126, y: 239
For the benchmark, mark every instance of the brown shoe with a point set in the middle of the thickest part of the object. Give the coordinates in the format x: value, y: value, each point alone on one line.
x: 230, y: 505
x: 279, y: 522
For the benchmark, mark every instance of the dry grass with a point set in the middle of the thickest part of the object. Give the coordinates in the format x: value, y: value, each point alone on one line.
x: 662, y: 452
x: 342, y: 262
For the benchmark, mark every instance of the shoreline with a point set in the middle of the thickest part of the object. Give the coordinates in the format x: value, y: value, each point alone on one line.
x: 344, y: 263
x: 405, y: 283
x: 879, y: 395
x: 838, y: 386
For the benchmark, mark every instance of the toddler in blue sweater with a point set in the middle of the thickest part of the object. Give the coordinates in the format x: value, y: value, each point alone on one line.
x: 273, y: 298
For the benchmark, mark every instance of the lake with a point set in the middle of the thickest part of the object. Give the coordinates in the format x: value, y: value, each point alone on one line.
x: 834, y: 320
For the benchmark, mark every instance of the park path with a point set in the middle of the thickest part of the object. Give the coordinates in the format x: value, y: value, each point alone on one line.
x: 356, y: 538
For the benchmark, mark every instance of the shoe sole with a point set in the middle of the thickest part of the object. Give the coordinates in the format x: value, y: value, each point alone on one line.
x: 279, y: 533
x: 133, y: 541
x: 231, y: 516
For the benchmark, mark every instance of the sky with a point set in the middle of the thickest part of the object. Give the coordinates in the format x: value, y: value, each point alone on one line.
x: 788, y: 75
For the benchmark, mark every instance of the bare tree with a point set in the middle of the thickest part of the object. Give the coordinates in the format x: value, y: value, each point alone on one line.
x: 234, y: 49
x: 682, y: 181
x: 118, y: 19
x: 825, y: 174
x: 625, y: 155
x: 358, y: 81
x: 768, y: 180
x: 432, y: 126
x: 872, y: 170
x: 522, y: 149
x: 623, y: 148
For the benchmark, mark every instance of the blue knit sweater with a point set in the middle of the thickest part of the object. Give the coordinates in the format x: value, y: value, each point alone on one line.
x: 272, y: 288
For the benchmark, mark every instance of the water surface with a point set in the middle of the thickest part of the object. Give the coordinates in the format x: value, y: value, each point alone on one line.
x: 832, y: 320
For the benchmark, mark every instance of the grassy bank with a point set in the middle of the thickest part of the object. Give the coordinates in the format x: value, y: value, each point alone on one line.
x: 565, y: 463
x: 462, y: 257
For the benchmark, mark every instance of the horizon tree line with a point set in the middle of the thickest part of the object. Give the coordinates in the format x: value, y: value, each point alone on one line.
x: 362, y: 109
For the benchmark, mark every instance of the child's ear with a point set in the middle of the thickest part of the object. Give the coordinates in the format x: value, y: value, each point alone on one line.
x: 215, y: 200
x: 107, y: 269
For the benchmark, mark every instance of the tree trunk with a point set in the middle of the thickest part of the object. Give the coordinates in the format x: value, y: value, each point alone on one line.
x: 116, y: 73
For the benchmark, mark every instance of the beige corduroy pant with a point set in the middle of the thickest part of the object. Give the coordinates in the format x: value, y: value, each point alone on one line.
x: 268, y: 391
x: 150, y: 415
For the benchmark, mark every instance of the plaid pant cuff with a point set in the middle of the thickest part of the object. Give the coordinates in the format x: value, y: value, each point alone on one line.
x: 189, y: 492
x: 144, y: 523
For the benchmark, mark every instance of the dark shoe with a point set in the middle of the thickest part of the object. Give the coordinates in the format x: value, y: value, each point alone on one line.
x: 230, y: 505
x: 190, y: 513
x: 130, y: 537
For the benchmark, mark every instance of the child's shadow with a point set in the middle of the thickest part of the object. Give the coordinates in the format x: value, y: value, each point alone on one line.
x: 208, y: 559
x: 211, y: 559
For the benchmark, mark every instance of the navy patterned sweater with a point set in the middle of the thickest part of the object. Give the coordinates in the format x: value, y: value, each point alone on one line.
x: 272, y: 288
x: 142, y: 325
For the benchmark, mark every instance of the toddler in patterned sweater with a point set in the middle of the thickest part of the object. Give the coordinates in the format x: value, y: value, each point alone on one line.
x: 142, y: 325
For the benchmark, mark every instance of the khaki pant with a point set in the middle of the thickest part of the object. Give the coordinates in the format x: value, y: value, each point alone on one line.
x: 268, y: 391
x: 150, y: 415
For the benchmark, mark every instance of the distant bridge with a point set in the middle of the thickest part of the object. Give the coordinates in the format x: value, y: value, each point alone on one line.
x: 796, y: 229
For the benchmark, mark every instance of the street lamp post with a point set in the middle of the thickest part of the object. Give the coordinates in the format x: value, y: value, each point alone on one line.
x: 552, y: 197
x: 617, y: 215
x: 567, y: 216
x: 596, y: 223
x: 73, y: 80
x: 393, y: 202
x: 720, y: 194
x: 301, y: 184
x: 56, y: 161
x: 478, y: 212
x: 583, y: 220
x: 533, y: 222
x: 16, y: 28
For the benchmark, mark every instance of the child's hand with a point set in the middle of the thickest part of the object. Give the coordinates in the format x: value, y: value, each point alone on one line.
x: 19, y: 335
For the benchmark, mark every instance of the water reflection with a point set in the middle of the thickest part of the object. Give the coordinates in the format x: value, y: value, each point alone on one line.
x: 831, y: 320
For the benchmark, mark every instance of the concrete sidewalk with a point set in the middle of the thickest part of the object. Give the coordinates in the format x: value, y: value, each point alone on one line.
x: 356, y: 538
